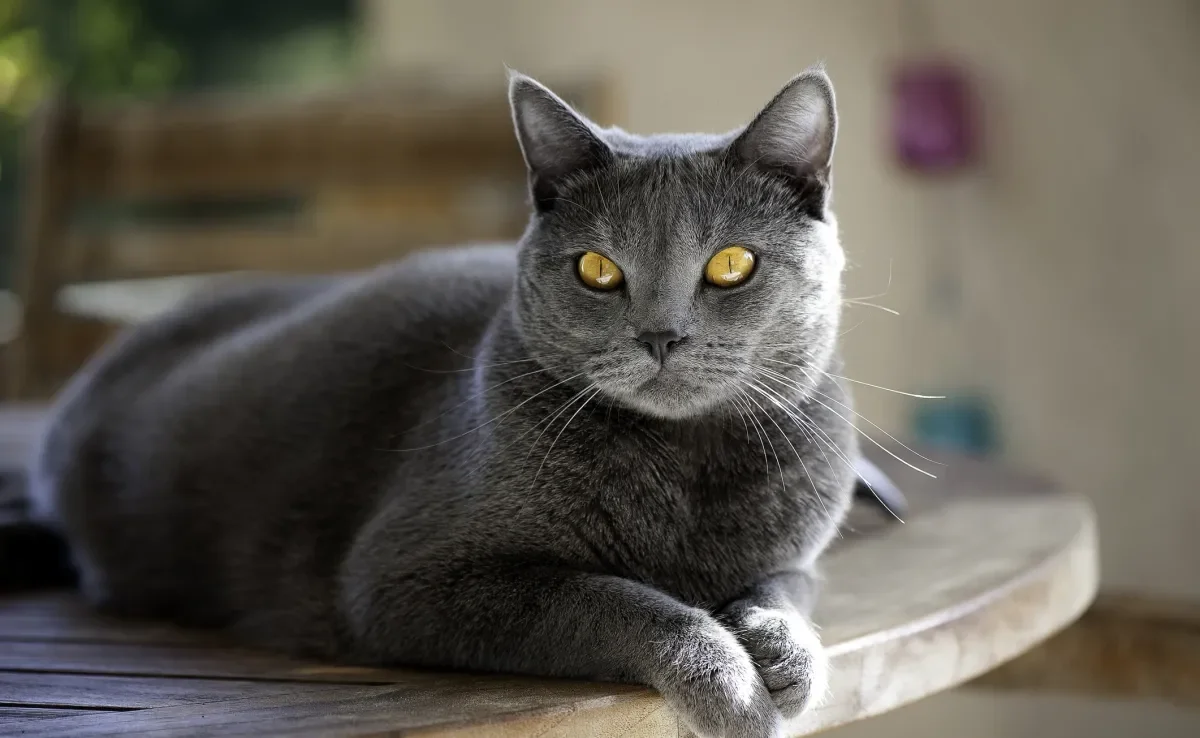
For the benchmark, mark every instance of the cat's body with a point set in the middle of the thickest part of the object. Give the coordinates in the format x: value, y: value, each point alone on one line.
x: 278, y: 452
x: 467, y: 459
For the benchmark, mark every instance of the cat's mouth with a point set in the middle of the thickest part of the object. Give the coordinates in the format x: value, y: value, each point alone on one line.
x: 666, y: 393
x: 678, y: 387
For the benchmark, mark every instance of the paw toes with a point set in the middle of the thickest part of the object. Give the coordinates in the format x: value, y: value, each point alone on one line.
x: 794, y: 670
x: 792, y: 701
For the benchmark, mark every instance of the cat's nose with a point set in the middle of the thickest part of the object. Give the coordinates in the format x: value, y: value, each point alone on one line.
x: 660, y: 343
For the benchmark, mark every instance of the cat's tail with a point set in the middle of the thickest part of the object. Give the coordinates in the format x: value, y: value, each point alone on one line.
x: 32, y: 555
x: 876, y: 487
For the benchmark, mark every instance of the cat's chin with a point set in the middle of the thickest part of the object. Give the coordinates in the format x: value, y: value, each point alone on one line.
x: 668, y: 412
x: 666, y: 402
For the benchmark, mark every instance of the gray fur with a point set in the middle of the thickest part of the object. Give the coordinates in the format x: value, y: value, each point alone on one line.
x: 389, y: 468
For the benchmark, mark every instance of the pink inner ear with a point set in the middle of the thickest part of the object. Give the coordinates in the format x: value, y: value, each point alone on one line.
x: 934, y: 128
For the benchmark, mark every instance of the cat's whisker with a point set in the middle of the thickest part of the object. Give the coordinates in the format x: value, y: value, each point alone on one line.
x: 474, y: 368
x: 842, y: 455
x: 760, y: 430
x: 478, y: 394
x: 456, y: 352
x: 803, y: 421
x: 885, y: 389
x: 848, y: 301
x: 865, y: 418
x: 564, y: 429
x: 754, y: 423
x: 886, y: 289
x: 588, y: 210
x: 816, y: 441
x: 617, y: 186
x: 506, y: 413
x: 865, y: 435
x: 737, y: 178
x: 758, y: 388
x: 858, y: 381
x: 785, y: 346
x: 555, y: 415
x: 782, y: 481
x: 850, y: 329
x: 514, y: 442
x: 741, y: 415
x: 806, y: 422
x: 860, y: 415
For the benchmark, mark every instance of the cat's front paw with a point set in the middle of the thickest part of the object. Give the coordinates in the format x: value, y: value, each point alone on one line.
x: 787, y: 653
x: 710, y: 680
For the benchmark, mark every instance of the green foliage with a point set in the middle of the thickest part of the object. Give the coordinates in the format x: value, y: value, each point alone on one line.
x: 140, y: 48
x: 103, y: 47
x: 23, y: 73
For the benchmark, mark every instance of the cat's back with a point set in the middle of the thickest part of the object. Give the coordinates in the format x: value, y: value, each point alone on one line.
x: 269, y: 332
x: 285, y: 345
x: 266, y: 397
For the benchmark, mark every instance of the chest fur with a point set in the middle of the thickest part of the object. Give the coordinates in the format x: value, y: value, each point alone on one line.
x: 698, y: 517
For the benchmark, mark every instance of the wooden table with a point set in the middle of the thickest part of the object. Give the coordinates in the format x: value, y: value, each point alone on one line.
x: 988, y: 564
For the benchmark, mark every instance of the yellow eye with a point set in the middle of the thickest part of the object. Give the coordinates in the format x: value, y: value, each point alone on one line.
x: 598, y: 272
x: 730, y: 266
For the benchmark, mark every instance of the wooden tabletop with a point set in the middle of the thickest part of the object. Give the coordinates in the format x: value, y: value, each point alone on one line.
x: 987, y: 564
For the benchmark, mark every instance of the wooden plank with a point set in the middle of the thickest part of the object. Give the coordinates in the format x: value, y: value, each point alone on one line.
x: 286, y: 248
x: 89, y: 629
x: 45, y: 195
x: 220, y: 145
x: 114, y: 692
x: 496, y: 707
x: 136, y: 659
x: 127, y: 155
x: 65, y: 617
x: 10, y: 716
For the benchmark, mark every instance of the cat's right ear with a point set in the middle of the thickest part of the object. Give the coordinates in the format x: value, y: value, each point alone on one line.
x: 556, y: 142
x: 793, y: 137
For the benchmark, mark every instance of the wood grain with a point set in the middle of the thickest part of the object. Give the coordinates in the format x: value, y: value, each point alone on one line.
x: 376, y: 710
x: 10, y: 716
x: 1123, y: 647
x: 115, y: 692
x: 137, y: 659
x: 237, y: 145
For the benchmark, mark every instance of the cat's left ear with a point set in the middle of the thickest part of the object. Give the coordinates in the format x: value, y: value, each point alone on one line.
x: 557, y: 142
x: 794, y: 135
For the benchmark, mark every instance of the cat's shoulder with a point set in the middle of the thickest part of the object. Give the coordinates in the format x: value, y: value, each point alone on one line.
x: 485, y: 266
x: 464, y: 278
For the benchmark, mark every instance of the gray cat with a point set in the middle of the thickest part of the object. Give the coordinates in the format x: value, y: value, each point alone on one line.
x: 613, y: 452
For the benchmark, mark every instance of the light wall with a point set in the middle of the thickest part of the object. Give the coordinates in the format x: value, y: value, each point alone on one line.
x: 1078, y: 243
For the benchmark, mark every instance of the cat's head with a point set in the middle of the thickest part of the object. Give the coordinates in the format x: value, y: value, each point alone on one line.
x: 669, y: 272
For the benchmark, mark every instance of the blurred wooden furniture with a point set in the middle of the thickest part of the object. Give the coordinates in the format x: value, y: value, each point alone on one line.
x: 988, y: 564
x: 208, y: 185
x: 1124, y: 647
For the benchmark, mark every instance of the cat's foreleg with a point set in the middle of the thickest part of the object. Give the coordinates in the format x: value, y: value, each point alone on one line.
x: 558, y: 622
x: 771, y: 620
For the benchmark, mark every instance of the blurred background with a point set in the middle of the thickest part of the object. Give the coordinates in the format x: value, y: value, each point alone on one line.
x: 1016, y: 185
